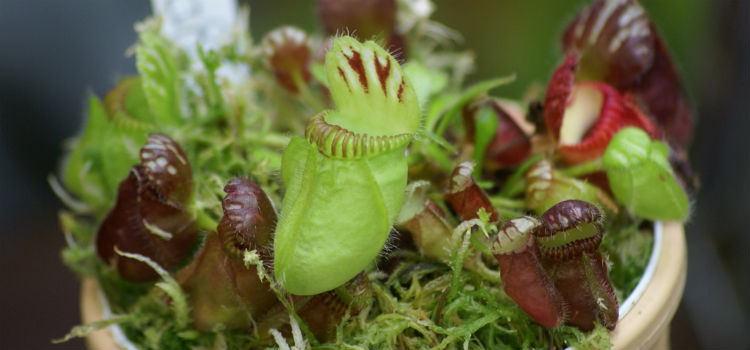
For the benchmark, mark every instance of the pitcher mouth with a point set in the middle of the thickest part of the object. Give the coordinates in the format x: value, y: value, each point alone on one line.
x: 583, y: 117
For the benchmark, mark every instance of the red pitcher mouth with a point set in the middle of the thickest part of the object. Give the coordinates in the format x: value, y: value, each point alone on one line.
x: 583, y: 117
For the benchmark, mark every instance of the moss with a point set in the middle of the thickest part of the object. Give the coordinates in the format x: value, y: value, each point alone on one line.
x: 412, y: 307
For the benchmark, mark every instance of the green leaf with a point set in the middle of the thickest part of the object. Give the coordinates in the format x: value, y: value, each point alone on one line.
x: 439, y: 104
x: 426, y: 82
x: 129, y: 122
x: 135, y: 103
x: 120, y: 149
x: 81, y: 170
x: 211, y: 88
x: 486, y: 127
x: 642, y: 179
x: 416, y: 193
x: 318, y: 71
x: 467, y: 96
x: 158, y: 70
x: 109, y: 145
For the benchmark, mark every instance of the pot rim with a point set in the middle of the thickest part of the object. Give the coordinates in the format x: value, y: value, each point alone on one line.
x: 648, y: 273
x: 119, y: 337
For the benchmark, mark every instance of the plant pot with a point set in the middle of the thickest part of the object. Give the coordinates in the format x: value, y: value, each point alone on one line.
x: 644, y: 316
x: 645, y: 325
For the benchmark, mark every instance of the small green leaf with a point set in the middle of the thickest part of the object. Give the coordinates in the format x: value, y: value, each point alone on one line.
x: 641, y: 178
x: 436, y: 107
x: 318, y: 71
x: 109, y: 145
x: 135, y: 102
x: 212, y: 90
x: 416, y: 193
x: 426, y: 82
x: 81, y: 172
x: 467, y: 96
x: 486, y: 127
x: 120, y: 150
x: 129, y: 122
x: 158, y: 70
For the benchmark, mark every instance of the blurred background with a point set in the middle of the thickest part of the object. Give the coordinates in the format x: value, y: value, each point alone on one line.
x: 53, y: 54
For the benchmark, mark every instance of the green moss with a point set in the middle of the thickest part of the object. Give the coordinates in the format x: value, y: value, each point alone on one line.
x: 628, y: 248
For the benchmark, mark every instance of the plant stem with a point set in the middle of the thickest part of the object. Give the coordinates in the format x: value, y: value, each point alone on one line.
x: 269, y: 139
x: 504, y: 202
x: 204, y: 220
x: 517, y: 188
x: 510, y: 189
x: 509, y: 213
x: 466, y: 97
x: 343, y: 294
x: 305, y: 95
x: 583, y: 168
x: 479, y: 245
x: 457, y: 263
x: 440, y: 141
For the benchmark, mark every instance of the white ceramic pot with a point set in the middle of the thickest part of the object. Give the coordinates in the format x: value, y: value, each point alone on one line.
x: 646, y: 313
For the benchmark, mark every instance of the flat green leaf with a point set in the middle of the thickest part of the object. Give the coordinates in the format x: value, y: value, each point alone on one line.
x: 81, y: 170
x: 641, y: 178
x: 485, y: 130
x: 318, y: 71
x: 130, y: 121
x: 121, y: 150
x: 426, y: 82
x: 468, y: 95
x: 136, y: 103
